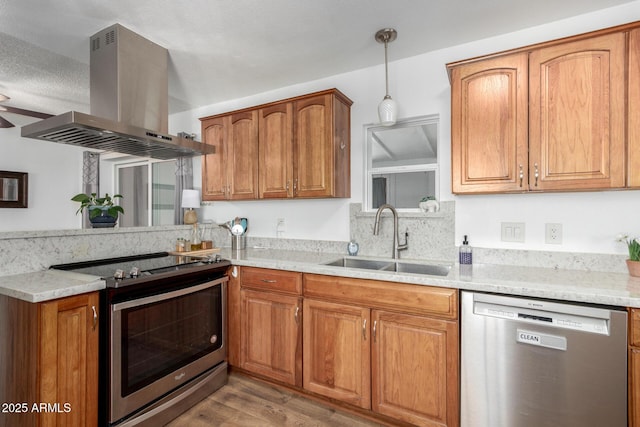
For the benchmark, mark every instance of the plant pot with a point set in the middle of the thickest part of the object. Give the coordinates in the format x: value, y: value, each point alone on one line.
x: 104, y: 220
x: 634, y: 268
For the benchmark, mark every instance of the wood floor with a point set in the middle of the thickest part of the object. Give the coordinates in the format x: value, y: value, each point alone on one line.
x: 246, y: 402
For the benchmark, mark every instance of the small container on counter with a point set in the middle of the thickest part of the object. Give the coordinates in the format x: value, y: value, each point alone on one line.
x: 352, y: 248
x: 466, y: 253
x: 181, y: 245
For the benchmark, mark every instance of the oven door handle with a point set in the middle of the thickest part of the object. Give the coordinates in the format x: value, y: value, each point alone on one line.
x: 168, y: 295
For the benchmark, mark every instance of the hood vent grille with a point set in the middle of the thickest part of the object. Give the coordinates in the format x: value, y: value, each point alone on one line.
x: 90, y: 132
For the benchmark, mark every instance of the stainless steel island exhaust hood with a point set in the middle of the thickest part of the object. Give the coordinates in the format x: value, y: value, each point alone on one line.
x: 128, y: 99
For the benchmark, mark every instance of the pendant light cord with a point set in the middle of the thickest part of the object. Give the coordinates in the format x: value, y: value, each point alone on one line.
x: 386, y: 69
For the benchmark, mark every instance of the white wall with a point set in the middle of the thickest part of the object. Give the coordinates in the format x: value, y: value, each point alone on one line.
x: 55, y: 175
x: 420, y: 86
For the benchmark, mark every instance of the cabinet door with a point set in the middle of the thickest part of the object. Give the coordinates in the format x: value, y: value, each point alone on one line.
x: 242, y: 160
x: 634, y: 387
x: 415, y: 369
x: 313, y: 156
x: 271, y: 336
x: 489, y: 125
x: 633, y: 125
x: 69, y: 360
x: 577, y: 115
x: 214, y: 175
x: 276, y: 157
x: 234, y: 310
x: 336, y: 352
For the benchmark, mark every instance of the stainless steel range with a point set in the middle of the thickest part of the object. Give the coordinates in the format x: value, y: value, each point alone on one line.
x: 163, y: 344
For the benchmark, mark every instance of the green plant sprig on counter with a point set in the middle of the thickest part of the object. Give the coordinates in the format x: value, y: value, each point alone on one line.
x: 633, y: 244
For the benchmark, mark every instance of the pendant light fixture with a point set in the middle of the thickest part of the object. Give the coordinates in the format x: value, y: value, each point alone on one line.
x: 388, y: 109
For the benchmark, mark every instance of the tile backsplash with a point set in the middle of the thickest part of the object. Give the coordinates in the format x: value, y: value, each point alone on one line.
x: 431, y: 237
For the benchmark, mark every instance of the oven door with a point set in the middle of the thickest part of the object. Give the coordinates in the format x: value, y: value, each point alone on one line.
x: 160, y: 342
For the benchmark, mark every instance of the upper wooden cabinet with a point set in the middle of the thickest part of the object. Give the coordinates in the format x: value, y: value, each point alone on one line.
x: 577, y: 115
x: 489, y: 125
x: 633, y: 124
x: 549, y: 117
x: 322, y: 148
x: 232, y: 171
x: 297, y: 147
x: 276, y: 151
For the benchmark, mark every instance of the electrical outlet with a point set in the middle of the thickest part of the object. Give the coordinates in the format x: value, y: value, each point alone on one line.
x: 553, y: 234
x: 512, y: 232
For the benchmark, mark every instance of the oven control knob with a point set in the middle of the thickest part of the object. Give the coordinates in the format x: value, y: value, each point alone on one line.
x: 119, y: 274
x: 135, y: 272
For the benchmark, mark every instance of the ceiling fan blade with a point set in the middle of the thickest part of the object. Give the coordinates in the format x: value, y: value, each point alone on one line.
x: 5, y: 124
x: 22, y: 112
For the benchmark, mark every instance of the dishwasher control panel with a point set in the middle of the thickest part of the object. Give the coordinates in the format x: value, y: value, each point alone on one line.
x: 596, y: 325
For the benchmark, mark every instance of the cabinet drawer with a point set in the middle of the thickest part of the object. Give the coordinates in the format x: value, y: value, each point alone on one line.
x: 435, y: 301
x: 272, y: 280
x: 634, y: 327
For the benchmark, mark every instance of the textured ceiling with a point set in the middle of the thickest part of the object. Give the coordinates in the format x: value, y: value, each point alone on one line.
x: 227, y: 49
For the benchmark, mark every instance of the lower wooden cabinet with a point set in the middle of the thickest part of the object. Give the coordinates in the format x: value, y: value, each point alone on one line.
x: 415, y: 368
x: 360, y: 349
x: 634, y: 367
x: 270, y: 323
x: 50, y: 361
x: 271, y: 335
x: 390, y: 349
x: 337, y: 351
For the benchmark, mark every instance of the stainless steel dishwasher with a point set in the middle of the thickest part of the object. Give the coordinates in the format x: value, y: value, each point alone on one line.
x: 538, y: 363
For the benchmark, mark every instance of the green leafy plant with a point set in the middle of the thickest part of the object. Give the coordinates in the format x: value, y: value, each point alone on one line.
x: 633, y: 244
x: 96, y: 205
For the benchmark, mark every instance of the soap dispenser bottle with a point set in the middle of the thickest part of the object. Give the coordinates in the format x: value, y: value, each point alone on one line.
x: 466, y: 254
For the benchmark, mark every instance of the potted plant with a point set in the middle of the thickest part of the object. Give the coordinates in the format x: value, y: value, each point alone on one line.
x: 103, y: 212
x: 633, y: 244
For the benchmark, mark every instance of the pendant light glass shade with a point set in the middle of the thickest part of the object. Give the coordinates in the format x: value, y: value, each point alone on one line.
x: 388, y: 109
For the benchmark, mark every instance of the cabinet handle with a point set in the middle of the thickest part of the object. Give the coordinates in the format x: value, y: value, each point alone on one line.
x: 342, y: 145
x: 234, y: 272
x: 521, y: 175
x: 296, y: 315
x: 269, y: 281
x: 287, y: 187
x: 95, y: 317
x: 375, y: 326
x: 536, y: 174
x: 295, y: 186
x: 364, y: 329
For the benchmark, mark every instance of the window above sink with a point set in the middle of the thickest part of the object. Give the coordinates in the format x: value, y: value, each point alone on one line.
x: 401, y: 163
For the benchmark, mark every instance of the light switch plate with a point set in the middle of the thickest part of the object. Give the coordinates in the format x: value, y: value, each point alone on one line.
x: 512, y: 232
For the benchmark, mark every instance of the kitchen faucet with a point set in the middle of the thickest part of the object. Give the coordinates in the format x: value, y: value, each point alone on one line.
x: 397, y: 247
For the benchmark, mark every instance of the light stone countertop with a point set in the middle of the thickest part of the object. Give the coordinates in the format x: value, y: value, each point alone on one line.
x: 617, y: 289
x: 48, y: 285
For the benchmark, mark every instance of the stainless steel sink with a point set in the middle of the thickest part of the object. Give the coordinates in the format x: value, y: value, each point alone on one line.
x: 369, y: 264
x: 393, y: 266
x: 430, y: 269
